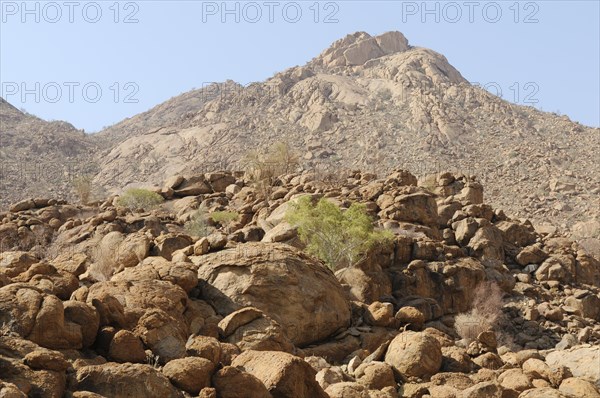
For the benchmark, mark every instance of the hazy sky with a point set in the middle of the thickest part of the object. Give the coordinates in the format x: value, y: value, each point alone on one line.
x: 95, y: 63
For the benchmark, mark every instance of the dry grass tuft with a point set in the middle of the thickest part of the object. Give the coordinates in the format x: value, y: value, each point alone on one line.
x: 485, y: 314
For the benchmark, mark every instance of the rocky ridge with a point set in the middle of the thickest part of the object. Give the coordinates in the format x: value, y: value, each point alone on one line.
x: 106, y: 301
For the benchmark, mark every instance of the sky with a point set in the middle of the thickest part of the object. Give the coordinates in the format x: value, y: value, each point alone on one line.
x: 96, y: 63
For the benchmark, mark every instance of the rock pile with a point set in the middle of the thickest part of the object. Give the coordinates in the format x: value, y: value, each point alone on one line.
x: 107, y: 301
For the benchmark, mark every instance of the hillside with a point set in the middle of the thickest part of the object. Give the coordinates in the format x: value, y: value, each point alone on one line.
x: 40, y: 158
x: 377, y: 103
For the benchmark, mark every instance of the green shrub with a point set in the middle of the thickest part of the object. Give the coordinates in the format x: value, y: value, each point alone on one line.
x: 224, y: 217
x: 339, y: 238
x: 138, y: 198
x: 198, y: 225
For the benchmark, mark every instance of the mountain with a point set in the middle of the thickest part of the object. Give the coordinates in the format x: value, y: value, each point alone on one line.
x: 39, y: 158
x: 375, y: 103
x: 378, y: 103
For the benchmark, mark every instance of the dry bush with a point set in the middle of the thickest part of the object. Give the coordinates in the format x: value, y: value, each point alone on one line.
x: 331, y: 176
x: 485, y: 313
x: 198, y: 224
x: 429, y: 182
x: 101, y: 270
x: 105, y: 257
x: 262, y: 169
x: 83, y: 188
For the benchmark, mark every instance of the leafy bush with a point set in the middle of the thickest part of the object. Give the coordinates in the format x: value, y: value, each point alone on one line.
x: 339, y: 238
x: 138, y: 198
x: 197, y: 225
x: 485, y: 313
x: 224, y: 217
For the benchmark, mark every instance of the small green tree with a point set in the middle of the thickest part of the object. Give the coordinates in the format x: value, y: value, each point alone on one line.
x: 138, y: 198
x: 339, y: 238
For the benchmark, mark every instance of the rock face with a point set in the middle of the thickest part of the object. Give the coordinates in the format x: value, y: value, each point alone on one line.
x: 292, y: 288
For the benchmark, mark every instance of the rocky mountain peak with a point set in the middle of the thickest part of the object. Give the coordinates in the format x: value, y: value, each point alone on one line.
x: 360, y: 47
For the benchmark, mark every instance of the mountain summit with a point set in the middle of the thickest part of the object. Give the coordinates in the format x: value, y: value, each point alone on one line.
x: 359, y: 48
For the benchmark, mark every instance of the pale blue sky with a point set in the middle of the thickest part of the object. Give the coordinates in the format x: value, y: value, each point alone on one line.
x: 548, y: 50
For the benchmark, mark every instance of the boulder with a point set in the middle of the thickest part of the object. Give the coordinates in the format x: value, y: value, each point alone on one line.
x: 415, y: 354
x: 283, y: 374
x: 231, y: 382
x: 126, y: 347
x: 581, y: 361
x: 190, y: 374
x: 38, y: 317
x: 125, y: 380
x: 579, y: 388
x: 15, y: 263
x: 298, y: 292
